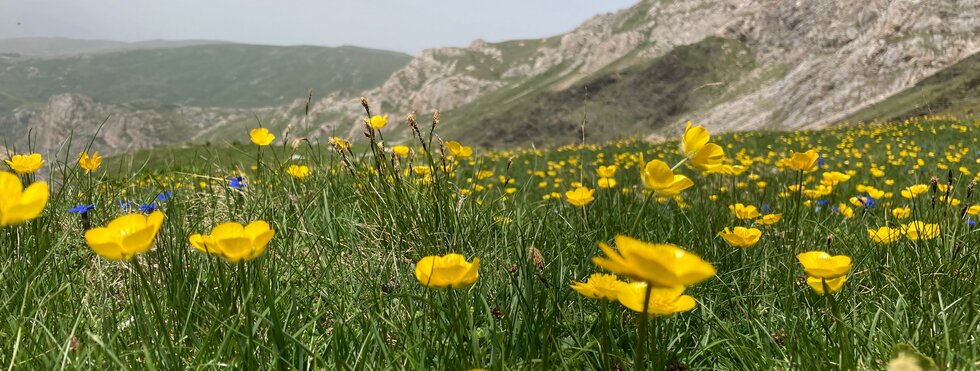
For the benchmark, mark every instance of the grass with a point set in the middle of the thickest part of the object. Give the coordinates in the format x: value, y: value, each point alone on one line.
x: 336, y: 290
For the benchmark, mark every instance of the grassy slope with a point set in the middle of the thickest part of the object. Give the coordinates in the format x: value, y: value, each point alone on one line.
x: 628, y: 97
x: 336, y: 289
x: 226, y: 75
x: 954, y: 90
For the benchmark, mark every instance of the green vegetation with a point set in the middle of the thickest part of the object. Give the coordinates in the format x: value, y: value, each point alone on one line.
x: 337, y: 288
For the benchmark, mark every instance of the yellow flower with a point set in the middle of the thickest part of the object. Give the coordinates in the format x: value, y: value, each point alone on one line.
x: 450, y: 270
x: 845, y: 210
x: 600, y: 286
x: 802, y: 161
x: 726, y: 169
x: 89, y: 163
x: 606, y: 171
x: 915, y: 190
x: 580, y: 197
x: 769, y: 219
x: 657, y: 175
x: 125, y: 236
x: 973, y: 210
x: 695, y: 138
x: 299, y: 171
x: 400, y: 151
x: 340, y: 143
x: 261, y: 136
x: 884, y: 235
x: 378, y: 122
x: 920, y: 231
x: 744, y: 211
x: 662, y: 265
x: 834, y: 284
x: 833, y: 178
x: 19, y: 204
x: 25, y: 164
x: 902, y: 212
x: 235, y: 242
x: 664, y: 301
x: 458, y: 150
x: 606, y: 183
x: 820, y: 264
x: 741, y: 236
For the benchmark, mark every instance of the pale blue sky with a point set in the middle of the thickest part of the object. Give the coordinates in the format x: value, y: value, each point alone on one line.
x: 402, y: 25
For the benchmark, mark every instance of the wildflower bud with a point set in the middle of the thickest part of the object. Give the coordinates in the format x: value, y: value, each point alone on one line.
x: 949, y: 177
x: 536, y: 257
x: 830, y: 240
x: 364, y: 103
x: 411, y: 119
x: 969, y: 189
x: 296, y: 143
x: 935, y: 184
x: 510, y: 161
x: 435, y: 119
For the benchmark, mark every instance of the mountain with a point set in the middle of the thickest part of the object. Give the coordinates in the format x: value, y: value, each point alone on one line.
x: 731, y: 65
x: 45, y: 47
x: 642, y: 71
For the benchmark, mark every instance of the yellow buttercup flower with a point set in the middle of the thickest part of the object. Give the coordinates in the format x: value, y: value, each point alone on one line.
x: 235, y: 242
x: 918, y: 230
x: 261, y: 136
x: 735, y: 170
x: 299, y: 171
x: 580, y: 197
x: 458, y: 150
x: 820, y: 264
x: 802, y: 161
x: 606, y: 171
x: 657, y: 175
x: 400, y: 151
x: 884, y: 235
x: 25, y: 164
x: 19, y: 204
x: 607, y: 183
x: 89, y: 163
x: 741, y: 236
x: 450, y: 270
x: 833, y: 178
x: 973, y: 210
x: 915, y: 190
x: 378, y: 122
x: 769, y: 219
x: 742, y: 211
x: 662, y: 265
x: 340, y: 143
x: 695, y: 138
x: 664, y: 301
x: 833, y: 284
x: 902, y: 212
x: 600, y: 286
x: 126, y: 236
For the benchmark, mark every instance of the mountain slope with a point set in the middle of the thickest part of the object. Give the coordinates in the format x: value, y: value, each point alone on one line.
x: 223, y: 75
x: 46, y: 47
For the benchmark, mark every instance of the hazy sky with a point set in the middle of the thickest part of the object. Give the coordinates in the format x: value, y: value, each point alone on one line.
x: 402, y: 25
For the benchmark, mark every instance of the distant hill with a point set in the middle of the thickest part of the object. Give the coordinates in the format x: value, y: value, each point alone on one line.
x: 215, y: 75
x: 47, y: 47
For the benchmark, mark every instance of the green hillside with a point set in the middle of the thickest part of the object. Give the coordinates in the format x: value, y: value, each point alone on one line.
x: 222, y: 75
x: 628, y: 97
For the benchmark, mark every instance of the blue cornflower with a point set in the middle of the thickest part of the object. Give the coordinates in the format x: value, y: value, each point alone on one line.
x: 821, y: 202
x: 148, y: 208
x: 971, y: 223
x: 236, y: 182
x: 820, y: 161
x: 868, y: 201
x: 164, y: 196
x: 82, y: 209
x: 835, y: 210
x: 765, y: 208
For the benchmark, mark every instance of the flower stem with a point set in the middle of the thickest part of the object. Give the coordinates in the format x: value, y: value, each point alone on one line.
x: 641, y: 336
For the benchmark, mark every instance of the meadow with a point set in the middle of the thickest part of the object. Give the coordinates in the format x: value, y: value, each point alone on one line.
x: 344, y: 257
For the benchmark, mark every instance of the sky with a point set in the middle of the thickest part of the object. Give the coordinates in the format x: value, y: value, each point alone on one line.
x: 401, y: 25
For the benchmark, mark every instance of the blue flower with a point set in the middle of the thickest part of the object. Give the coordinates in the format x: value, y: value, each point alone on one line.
x: 125, y: 205
x: 971, y: 223
x: 148, y: 208
x: 164, y: 196
x: 236, y: 182
x: 819, y: 160
x: 835, y: 210
x: 868, y: 201
x: 82, y: 209
x: 821, y: 202
x: 765, y: 208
